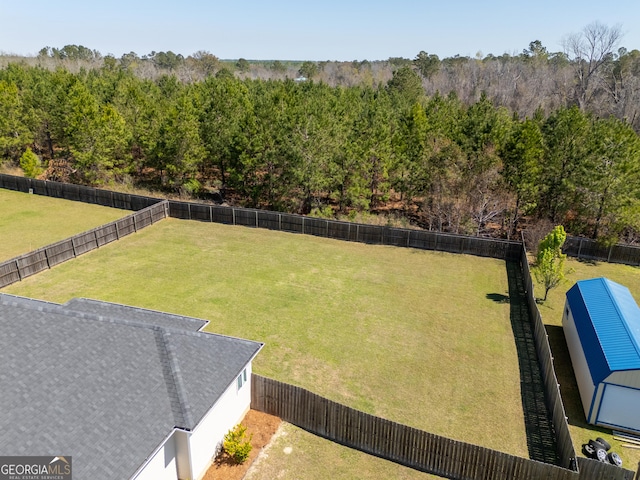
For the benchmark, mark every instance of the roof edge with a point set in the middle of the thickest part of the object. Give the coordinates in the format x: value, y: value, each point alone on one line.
x: 141, y: 309
x: 625, y: 320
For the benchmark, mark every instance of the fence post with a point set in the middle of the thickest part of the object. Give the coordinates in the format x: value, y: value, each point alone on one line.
x: 357, y: 232
x: 73, y: 247
x: 211, y: 214
x: 233, y: 214
x: 580, y: 248
x: 327, y: 235
x: 280, y: 222
x: 303, y: 225
x: 189, y: 210
x: 408, y: 237
x: 609, y: 257
x: 117, y: 231
x: 18, y: 270
x: 135, y: 226
x: 95, y: 235
x: 256, y: 218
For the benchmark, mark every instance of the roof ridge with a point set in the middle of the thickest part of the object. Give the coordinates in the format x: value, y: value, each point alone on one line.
x: 51, y: 307
x: 26, y: 302
x: 135, y: 323
x: 623, y: 352
x: 141, y: 309
x: 625, y: 321
x: 120, y: 321
x: 173, y: 379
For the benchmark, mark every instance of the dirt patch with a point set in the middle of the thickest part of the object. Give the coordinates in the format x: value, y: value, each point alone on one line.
x: 262, y: 426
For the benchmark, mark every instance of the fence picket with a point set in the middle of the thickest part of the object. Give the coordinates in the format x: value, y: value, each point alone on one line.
x: 56, y: 253
x: 406, y: 445
x: 385, y: 439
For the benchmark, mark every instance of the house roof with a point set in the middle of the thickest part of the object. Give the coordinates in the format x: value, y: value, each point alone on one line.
x: 607, y: 319
x: 106, y: 383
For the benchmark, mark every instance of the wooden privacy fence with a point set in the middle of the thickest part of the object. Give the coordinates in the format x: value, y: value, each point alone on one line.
x: 440, y: 452
x: 486, y: 247
x: 553, y: 399
x: 79, y: 193
x: 16, y: 269
x: 372, y: 234
x: 592, y: 250
x: 589, y: 469
x: 400, y: 443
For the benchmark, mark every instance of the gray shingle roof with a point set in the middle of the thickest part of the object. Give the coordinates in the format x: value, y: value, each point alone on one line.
x: 114, y: 310
x: 105, y: 383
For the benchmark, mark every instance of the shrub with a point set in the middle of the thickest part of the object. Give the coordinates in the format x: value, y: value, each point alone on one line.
x: 30, y: 163
x: 325, y: 212
x: 236, y: 444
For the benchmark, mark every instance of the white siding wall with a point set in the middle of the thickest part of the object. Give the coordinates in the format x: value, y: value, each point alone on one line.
x: 619, y: 408
x: 630, y: 378
x: 207, y: 437
x: 578, y: 360
x: 162, y: 465
x: 181, y: 440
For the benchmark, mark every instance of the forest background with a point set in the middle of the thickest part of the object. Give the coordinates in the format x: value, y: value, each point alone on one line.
x: 484, y: 146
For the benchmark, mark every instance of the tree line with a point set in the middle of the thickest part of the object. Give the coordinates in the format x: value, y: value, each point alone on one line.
x: 592, y: 71
x: 449, y: 163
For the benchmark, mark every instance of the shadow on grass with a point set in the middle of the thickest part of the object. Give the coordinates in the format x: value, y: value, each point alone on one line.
x: 498, y: 297
x: 588, y: 261
x: 541, y: 440
x: 567, y: 380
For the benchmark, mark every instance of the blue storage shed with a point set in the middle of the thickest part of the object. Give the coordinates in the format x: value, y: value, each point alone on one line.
x: 601, y: 323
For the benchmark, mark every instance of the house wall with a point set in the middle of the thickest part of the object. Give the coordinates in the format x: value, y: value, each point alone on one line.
x: 181, y: 439
x: 162, y: 465
x: 579, y: 361
x: 206, y: 439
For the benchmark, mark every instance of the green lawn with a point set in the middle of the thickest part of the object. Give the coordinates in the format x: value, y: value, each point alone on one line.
x: 551, y: 312
x: 28, y: 221
x: 410, y: 335
x: 295, y: 454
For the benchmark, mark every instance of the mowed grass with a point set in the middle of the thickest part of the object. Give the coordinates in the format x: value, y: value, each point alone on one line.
x: 551, y: 312
x: 28, y: 222
x: 401, y: 333
x: 409, y: 335
x: 295, y: 454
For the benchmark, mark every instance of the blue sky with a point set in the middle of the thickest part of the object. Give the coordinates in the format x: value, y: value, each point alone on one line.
x: 302, y: 30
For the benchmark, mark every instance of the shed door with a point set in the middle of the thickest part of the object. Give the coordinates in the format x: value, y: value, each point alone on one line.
x: 619, y: 408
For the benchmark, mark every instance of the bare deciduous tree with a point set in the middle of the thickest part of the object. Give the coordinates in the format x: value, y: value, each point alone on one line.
x: 591, y: 51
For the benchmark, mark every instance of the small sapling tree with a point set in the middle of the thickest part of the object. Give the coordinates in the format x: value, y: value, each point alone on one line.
x: 549, y: 267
